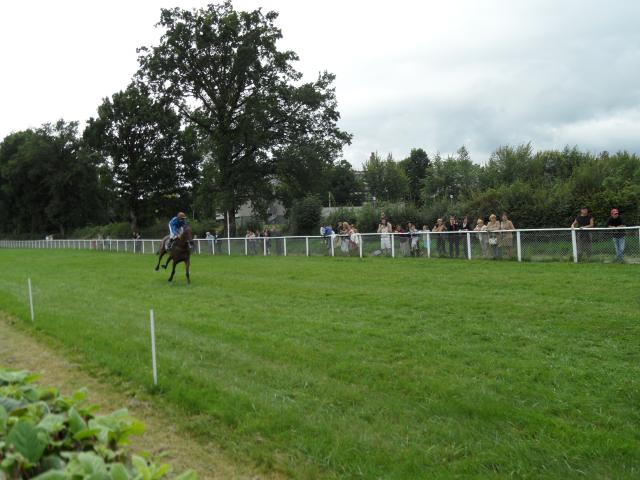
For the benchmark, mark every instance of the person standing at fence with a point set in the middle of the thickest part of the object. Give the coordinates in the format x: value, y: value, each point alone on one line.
x: 425, y: 238
x: 584, y: 221
x: 615, y: 221
x: 439, y: 229
x: 483, y: 238
x: 506, y: 237
x: 465, y: 226
x: 492, y: 227
x: 415, y: 240
x: 453, y: 235
x: 385, y: 228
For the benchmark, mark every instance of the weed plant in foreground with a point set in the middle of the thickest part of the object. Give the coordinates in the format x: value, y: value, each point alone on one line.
x: 374, y: 368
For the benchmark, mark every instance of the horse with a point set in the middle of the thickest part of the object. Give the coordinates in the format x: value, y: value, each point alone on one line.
x: 180, y: 252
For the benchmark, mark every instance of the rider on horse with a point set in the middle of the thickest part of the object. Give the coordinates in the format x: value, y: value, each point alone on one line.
x: 176, y: 225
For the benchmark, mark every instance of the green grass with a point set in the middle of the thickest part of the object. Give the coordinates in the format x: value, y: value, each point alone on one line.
x: 374, y: 368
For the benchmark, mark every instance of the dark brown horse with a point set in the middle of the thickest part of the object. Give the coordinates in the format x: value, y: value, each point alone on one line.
x: 180, y: 252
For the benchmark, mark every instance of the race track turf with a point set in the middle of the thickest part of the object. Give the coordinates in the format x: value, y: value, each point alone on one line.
x: 374, y: 368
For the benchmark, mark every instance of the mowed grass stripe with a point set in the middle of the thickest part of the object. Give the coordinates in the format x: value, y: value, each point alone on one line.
x: 374, y: 368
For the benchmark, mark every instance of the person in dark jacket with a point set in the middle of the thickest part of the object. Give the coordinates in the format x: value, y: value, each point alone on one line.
x: 615, y: 221
x: 453, y: 235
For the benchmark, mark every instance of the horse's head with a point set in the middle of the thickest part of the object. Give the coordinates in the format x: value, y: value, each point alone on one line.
x: 187, y: 235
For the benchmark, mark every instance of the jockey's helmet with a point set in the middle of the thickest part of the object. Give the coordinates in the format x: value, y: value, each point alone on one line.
x: 182, y: 215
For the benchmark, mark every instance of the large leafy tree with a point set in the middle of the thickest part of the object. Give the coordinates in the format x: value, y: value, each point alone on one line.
x: 345, y: 187
x: 152, y: 161
x: 385, y: 179
x: 415, y: 167
x: 224, y: 73
x: 48, y: 181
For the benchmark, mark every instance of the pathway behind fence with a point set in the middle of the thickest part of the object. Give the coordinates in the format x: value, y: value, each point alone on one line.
x: 550, y: 244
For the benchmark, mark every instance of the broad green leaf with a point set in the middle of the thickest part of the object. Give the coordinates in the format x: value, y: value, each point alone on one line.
x: 3, y: 419
x: 119, y: 472
x: 52, y: 462
x: 10, y: 404
x: 160, y: 472
x: 29, y: 440
x: 141, y: 467
x: 91, y: 463
x: 53, y: 475
x: 76, y: 422
x: 86, y: 433
x: 52, y: 423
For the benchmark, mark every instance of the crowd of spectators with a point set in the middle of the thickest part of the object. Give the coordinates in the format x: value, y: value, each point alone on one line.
x: 495, y: 237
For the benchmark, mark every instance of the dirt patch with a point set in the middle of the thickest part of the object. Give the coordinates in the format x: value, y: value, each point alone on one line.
x: 19, y: 350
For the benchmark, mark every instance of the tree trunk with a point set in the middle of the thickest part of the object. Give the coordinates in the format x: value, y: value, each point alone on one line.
x: 133, y: 220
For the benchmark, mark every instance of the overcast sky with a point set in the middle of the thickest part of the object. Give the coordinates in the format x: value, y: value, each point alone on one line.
x: 428, y: 74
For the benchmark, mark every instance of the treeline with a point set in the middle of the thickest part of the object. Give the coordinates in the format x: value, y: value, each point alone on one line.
x: 537, y: 189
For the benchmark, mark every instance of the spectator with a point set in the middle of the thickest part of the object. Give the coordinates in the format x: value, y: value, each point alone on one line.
x: 425, y: 237
x: 439, y: 229
x: 327, y: 235
x: 483, y: 238
x: 354, y: 239
x: 385, y: 228
x: 403, y: 240
x: 465, y: 227
x: 492, y: 227
x: 506, y: 238
x: 344, y: 237
x: 250, y: 238
x: 615, y: 221
x: 453, y: 236
x: 210, y: 239
x: 267, y: 242
x: 415, y: 239
x: 584, y: 221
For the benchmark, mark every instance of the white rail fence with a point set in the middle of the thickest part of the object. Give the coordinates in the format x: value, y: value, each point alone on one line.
x: 549, y: 244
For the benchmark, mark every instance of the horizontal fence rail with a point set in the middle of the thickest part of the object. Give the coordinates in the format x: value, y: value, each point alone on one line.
x: 546, y: 244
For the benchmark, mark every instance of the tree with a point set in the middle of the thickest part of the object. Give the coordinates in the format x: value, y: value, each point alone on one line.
x: 385, y: 180
x: 415, y: 167
x: 307, y: 214
x: 152, y: 161
x: 344, y: 186
x: 48, y: 180
x: 223, y: 72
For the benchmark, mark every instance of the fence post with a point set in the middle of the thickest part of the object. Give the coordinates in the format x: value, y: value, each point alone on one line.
x: 228, y: 245
x: 393, y: 245
x: 285, y: 246
x: 333, y: 250
x: 33, y: 318
x: 306, y: 241
x: 574, y: 245
x: 264, y: 246
x: 469, y: 245
x: 143, y: 247
x: 428, y: 244
x: 117, y: 245
x: 153, y: 347
x: 360, y: 244
x: 519, y: 246
x: 245, y: 247
x: 199, y: 247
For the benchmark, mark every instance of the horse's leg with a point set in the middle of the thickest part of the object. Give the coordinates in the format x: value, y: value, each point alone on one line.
x: 187, y: 262
x: 173, y: 270
x: 167, y: 262
x: 160, y: 255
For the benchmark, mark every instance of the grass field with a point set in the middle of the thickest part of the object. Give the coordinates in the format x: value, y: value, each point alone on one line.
x: 375, y: 368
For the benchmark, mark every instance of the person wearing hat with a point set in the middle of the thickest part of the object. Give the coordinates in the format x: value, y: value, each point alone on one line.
x: 615, y: 221
x: 176, y: 225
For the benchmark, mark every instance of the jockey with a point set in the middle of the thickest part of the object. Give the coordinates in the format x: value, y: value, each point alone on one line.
x: 176, y: 225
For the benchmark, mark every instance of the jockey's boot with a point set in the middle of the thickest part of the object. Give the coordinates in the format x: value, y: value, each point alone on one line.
x: 170, y: 243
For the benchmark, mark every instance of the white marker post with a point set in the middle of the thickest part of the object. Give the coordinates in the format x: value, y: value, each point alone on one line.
x: 33, y: 318
x: 153, y: 348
